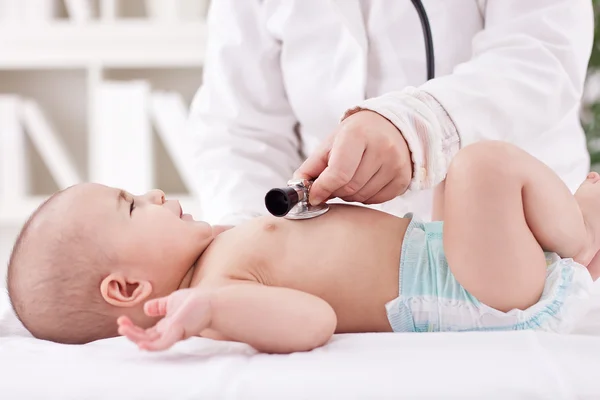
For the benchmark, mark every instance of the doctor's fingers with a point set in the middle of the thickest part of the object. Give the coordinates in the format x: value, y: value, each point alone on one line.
x: 395, y: 188
x: 344, y: 159
x: 314, y: 165
x: 370, y: 165
x: 374, y: 185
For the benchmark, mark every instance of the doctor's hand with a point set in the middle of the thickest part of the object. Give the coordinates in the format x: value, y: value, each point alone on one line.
x: 365, y: 160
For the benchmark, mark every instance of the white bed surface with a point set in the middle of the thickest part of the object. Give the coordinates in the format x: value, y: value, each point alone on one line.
x: 477, y: 365
x: 508, y: 365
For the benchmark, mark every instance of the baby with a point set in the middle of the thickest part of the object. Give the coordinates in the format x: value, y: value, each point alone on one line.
x: 94, y: 262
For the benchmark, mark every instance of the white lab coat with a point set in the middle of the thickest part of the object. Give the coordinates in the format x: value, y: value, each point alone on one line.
x: 279, y: 75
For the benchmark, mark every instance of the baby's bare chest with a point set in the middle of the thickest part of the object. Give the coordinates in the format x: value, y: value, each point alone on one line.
x: 331, y: 256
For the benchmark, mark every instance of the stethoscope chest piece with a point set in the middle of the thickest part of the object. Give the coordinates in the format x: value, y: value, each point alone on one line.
x: 292, y: 202
x: 306, y: 211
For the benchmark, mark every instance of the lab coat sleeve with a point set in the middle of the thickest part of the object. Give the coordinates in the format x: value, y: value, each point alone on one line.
x: 526, y: 74
x: 242, y: 127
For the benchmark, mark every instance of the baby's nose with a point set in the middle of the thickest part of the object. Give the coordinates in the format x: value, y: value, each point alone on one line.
x: 156, y: 197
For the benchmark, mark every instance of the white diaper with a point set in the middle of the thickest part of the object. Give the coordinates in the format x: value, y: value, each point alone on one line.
x: 431, y: 299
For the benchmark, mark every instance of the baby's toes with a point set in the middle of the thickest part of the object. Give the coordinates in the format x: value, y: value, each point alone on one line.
x: 593, y: 177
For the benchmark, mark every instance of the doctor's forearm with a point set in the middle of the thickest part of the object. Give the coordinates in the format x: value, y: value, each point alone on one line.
x: 524, y: 79
x: 427, y: 128
x: 526, y: 74
x: 240, y: 118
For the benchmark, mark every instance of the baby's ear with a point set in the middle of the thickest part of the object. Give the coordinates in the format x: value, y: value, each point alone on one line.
x: 120, y: 291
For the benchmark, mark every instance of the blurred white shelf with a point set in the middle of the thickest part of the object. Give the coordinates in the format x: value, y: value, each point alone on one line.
x: 62, y: 64
x: 123, y: 44
x: 16, y: 215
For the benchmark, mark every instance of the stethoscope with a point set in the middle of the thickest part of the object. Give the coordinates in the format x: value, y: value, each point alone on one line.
x: 291, y: 202
x: 427, y: 36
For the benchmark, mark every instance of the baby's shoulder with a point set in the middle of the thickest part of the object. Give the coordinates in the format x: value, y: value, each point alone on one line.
x: 223, y: 277
x: 224, y: 265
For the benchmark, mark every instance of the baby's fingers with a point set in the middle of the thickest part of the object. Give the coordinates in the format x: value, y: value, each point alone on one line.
x: 136, y: 334
x: 171, y: 336
x: 124, y: 320
x: 156, y: 307
x: 132, y: 334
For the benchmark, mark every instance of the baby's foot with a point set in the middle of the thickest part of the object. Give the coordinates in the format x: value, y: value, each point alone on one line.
x: 588, y: 197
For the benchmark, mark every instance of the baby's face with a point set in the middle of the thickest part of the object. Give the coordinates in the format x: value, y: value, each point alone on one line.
x: 147, y: 236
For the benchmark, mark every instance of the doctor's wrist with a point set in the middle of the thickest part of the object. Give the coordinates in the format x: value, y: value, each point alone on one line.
x: 430, y: 134
x: 412, y: 144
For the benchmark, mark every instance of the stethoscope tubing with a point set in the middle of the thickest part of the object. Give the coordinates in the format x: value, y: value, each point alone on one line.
x: 429, y: 53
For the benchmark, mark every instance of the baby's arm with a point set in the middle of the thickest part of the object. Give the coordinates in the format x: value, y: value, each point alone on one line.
x: 270, y: 319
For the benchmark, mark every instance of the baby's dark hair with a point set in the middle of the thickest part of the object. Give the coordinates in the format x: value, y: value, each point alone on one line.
x: 54, y: 276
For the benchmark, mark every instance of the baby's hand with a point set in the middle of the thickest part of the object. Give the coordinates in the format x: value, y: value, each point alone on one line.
x: 186, y: 313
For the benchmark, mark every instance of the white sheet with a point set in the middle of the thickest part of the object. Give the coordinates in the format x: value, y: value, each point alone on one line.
x: 505, y: 365
x: 514, y: 365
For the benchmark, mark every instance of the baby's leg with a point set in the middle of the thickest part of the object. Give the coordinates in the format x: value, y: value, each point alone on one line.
x: 502, y: 208
x: 438, y: 202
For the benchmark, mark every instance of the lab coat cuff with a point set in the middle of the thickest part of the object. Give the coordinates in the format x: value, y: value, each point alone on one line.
x: 429, y: 131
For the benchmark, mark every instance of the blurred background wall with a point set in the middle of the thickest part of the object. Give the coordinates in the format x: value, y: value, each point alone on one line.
x: 590, y: 114
x: 79, y: 76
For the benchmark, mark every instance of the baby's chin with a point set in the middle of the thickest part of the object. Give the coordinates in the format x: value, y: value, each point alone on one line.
x: 188, y: 217
x: 205, y: 226
x: 202, y: 230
